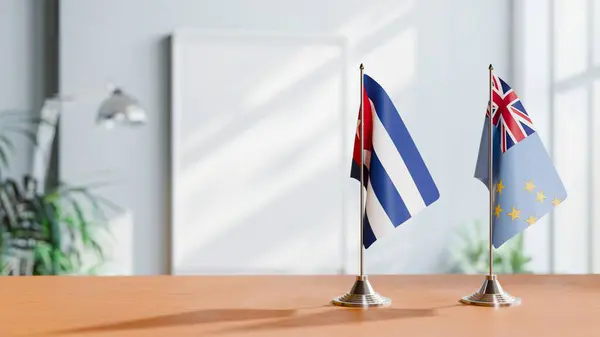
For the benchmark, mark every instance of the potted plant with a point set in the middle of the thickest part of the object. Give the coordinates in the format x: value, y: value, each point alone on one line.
x: 47, y: 232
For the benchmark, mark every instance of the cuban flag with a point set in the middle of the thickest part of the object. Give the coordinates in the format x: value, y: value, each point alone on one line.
x: 397, y: 181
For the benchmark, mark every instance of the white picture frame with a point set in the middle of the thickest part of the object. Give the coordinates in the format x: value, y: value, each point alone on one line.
x: 201, y: 248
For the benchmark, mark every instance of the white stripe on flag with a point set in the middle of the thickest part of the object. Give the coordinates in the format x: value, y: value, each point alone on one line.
x: 378, y: 218
x: 395, y: 167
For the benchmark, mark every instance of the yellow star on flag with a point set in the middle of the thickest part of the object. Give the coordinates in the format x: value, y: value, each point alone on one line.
x: 555, y: 202
x: 498, y: 210
x: 499, y: 187
x: 529, y: 186
x: 531, y: 220
x: 514, y: 214
x: 540, y: 196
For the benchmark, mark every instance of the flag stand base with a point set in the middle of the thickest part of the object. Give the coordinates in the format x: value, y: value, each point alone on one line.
x: 361, y: 295
x: 491, y: 294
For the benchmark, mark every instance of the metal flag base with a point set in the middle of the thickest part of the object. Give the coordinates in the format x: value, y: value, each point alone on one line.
x: 491, y: 294
x: 362, y: 295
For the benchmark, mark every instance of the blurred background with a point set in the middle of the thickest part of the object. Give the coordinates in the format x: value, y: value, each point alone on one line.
x: 232, y: 129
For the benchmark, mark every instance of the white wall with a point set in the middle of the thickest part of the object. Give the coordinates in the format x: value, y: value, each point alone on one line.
x: 22, y: 68
x: 431, y: 56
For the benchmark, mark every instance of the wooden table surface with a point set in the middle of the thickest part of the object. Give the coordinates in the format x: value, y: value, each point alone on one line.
x: 565, y: 306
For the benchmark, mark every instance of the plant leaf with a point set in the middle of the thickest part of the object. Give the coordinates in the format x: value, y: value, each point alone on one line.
x: 3, y: 158
x: 43, y: 252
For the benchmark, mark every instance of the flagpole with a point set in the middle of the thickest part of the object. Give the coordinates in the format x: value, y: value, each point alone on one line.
x: 490, y: 293
x: 362, y: 168
x: 491, y: 167
x: 362, y: 294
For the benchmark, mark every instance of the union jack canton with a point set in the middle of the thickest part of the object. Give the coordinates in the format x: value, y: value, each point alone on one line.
x: 509, y: 115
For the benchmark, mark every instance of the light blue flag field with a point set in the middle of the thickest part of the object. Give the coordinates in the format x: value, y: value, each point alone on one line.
x: 526, y: 184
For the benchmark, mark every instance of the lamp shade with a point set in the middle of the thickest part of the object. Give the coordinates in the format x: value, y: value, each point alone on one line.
x: 120, y: 109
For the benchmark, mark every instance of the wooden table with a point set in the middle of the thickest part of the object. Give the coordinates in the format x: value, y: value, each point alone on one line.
x: 165, y: 306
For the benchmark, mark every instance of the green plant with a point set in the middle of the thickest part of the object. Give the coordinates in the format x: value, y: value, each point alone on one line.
x: 63, y: 211
x: 54, y: 229
x: 59, y: 227
x: 471, y: 256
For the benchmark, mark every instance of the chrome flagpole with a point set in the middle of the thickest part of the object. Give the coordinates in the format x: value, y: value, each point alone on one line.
x: 362, y: 294
x: 491, y: 167
x: 362, y: 167
x: 491, y: 293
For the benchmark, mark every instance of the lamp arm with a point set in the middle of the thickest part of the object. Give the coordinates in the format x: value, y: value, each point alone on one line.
x: 70, y: 97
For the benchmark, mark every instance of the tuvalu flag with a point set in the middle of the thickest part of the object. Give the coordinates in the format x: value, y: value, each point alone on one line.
x: 526, y: 184
x: 397, y: 181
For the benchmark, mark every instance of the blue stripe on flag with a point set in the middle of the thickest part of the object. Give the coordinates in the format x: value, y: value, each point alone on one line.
x: 386, y: 192
x: 391, y: 120
x: 368, y: 235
